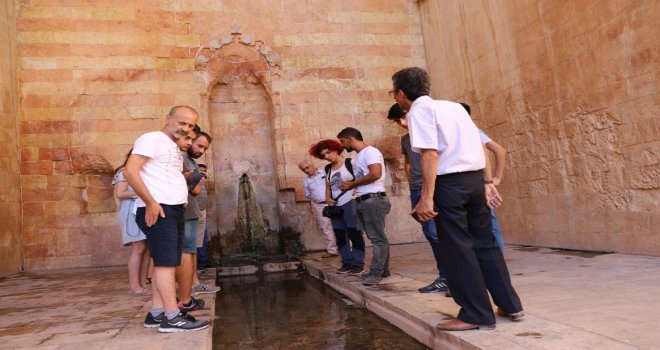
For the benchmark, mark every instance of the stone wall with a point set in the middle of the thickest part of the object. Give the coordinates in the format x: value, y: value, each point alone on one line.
x: 92, y: 77
x: 570, y: 89
x: 11, y: 256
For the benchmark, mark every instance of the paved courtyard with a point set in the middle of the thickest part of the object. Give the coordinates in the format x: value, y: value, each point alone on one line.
x: 573, y: 300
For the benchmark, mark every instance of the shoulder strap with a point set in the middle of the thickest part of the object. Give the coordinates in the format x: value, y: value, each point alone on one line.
x: 327, y: 171
x: 349, y: 166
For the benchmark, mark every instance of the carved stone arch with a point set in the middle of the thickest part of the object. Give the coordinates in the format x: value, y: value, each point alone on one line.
x: 237, y: 73
x: 234, y: 56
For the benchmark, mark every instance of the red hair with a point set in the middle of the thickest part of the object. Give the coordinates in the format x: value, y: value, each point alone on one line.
x: 329, y: 144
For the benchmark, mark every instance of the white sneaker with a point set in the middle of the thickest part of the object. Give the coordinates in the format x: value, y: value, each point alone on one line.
x: 203, y: 288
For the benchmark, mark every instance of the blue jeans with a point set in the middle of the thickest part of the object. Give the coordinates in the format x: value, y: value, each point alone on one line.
x: 496, y: 231
x: 350, y: 242
x: 430, y: 232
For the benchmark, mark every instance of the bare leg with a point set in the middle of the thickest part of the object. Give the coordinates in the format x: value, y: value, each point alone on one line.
x: 144, y: 268
x: 195, y: 277
x: 164, y: 289
x: 184, y: 276
x: 134, y: 263
x: 150, y: 271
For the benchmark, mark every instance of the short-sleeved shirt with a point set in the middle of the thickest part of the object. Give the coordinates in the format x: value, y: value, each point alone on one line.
x: 192, y: 209
x: 336, y: 178
x: 314, y: 187
x: 161, y: 174
x: 446, y: 127
x: 367, y: 156
x: 415, y: 160
x: 484, y: 138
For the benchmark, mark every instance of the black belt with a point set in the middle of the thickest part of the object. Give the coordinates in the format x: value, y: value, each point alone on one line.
x: 370, y: 195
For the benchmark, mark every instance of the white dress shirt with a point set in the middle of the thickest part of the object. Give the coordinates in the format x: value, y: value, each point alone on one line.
x: 314, y: 187
x: 446, y: 127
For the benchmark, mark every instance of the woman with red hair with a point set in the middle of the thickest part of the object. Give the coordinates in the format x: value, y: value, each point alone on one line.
x: 350, y: 242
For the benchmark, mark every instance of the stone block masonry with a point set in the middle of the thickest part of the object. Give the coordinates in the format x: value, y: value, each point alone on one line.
x: 570, y: 90
x: 11, y: 254
x: 93, y: 76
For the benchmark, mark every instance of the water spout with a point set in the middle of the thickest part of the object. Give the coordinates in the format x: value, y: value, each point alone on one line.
x: 252, y: 231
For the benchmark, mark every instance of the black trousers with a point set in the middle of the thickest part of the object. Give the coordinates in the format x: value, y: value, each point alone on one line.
x: 473, y: 261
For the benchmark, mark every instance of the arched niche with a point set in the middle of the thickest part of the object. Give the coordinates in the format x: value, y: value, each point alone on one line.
x: 237, y: 73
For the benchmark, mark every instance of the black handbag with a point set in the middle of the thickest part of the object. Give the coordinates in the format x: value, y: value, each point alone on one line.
x: 331, y: 211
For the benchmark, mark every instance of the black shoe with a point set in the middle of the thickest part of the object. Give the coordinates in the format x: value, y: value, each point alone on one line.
x: 356, y: 271
x: 386, y: 274
x: 193, y: 305
x: 345, y: 269
x: 438, y: 285
x: 153, y: 322
x: 182, y: 323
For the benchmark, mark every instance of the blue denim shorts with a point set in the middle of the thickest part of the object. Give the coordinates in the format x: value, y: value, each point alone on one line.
x: 164, y: 238
x: 190, y: 236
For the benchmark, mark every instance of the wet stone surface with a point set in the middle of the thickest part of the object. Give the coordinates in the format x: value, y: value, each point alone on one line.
x: 295, y: 311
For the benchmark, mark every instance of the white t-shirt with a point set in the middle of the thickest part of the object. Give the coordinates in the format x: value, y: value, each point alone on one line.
x: 446, y: 127
x: 484, y: 138
x: 162, y: 173
x: 336, y: 178
x: 369, y: 155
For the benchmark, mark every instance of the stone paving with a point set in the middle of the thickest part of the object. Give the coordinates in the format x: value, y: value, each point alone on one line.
x: 86, y: 309
x: 573, y: 300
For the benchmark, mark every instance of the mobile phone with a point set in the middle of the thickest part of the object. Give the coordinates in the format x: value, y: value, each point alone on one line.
x: 414, y: 215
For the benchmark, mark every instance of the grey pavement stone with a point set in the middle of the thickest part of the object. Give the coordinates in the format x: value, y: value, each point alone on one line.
x: 573, y: 300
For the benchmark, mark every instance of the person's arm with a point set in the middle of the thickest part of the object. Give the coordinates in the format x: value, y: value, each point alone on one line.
x: 424, y: 207
x: 488, y: 176
x: 375, y: 172
x: 308, y: 192
x: 196, y: 190
x: 132, y: 173
x: 500, y: 161
x: 122, y: 192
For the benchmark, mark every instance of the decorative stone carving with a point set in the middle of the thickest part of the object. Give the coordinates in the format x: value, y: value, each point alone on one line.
x: 213, y: 62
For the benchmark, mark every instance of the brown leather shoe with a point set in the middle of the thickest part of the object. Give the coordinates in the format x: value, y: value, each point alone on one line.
x: 328, y: 255
x: 458, y: 325
x: 515, y: 317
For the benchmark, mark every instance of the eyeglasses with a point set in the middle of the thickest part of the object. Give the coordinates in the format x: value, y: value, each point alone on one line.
x: 391, y: 93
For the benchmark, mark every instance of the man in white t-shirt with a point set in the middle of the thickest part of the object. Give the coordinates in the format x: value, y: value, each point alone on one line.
x: 371, y: 203
x: 153, y: 170
x: 314, y: 187
x: 453, y: 184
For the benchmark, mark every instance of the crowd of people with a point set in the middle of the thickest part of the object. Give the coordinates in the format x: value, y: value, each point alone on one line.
x: 453, y: 194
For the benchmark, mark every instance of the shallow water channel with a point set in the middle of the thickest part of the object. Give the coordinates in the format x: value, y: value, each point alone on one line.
x: 296, y: 311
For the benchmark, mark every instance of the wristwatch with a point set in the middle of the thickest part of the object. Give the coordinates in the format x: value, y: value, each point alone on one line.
x: 488, y: 182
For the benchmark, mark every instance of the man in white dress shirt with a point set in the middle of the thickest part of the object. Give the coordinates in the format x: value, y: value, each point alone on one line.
x: 314, y: 187
x: 456, y: 194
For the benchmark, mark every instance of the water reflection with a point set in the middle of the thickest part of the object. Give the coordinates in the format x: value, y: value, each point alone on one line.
x: 295, y: 311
